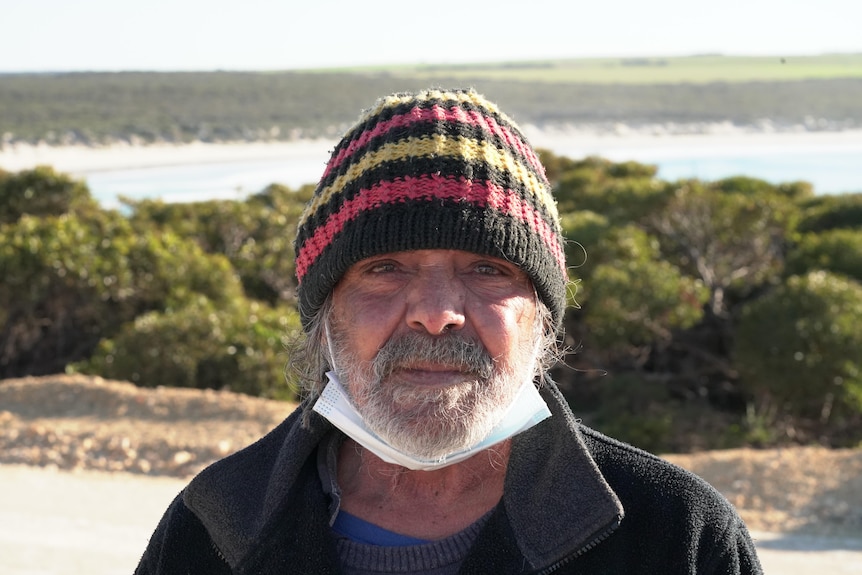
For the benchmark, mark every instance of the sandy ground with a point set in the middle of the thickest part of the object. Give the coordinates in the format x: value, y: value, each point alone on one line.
x: 97, y: 523
x: 85, y: 160
x: 77, y: 523
x: 621, y: 142
x: 87, y: 467
x: 712, y: 140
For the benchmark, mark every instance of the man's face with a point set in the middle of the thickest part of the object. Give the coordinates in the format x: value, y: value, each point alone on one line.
x: 433, y: 345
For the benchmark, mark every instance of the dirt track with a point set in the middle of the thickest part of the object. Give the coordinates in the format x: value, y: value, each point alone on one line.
x: 89, y: 465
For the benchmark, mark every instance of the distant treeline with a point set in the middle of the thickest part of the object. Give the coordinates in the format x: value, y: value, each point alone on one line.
x: 97, y: 108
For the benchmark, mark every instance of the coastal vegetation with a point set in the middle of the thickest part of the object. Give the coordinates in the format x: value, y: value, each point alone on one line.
x: 791, y: 93
x: 704, y: 314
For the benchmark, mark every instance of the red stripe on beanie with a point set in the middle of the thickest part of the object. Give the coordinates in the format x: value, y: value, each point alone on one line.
x: 431, y: 186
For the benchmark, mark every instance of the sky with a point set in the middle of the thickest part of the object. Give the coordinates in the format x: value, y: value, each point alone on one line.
x: 165, y: 35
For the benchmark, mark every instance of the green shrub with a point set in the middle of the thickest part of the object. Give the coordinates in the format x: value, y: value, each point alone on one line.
x: 170, y: 272
x: 743, y: 185
x: 554, y: 165
x: 583, y: 230
x: 633, y: 409
x: 732, y: 240
x: 757, y: 188
x: 832, y: 212
x: 623, y: 192
x: 639, y: 302
x: 798, y: 347
x: 66, y: 282
x: 70, y: 281
x: 838, y: 251
x: 240, y: 347
x: 41, y: 192
x: 605, y: 244
x: 255, y: 235
x: 796, y: 191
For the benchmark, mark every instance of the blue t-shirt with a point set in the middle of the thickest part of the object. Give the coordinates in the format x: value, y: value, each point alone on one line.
x: 362, y: 531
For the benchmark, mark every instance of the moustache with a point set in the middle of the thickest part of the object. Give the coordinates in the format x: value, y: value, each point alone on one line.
x: 465, y: 354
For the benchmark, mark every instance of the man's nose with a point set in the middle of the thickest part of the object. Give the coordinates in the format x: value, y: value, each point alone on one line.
x: 436, y: 304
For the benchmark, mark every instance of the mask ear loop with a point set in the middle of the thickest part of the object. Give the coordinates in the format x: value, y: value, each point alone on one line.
x: 328, y: 337
x: 539, y: 329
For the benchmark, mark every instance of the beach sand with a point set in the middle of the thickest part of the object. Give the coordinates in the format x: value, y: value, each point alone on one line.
x: 619, y: 144
x: 83, y: 160
x: 716, y: 140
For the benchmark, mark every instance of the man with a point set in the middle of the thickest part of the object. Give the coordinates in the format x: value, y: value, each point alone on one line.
x: 432, y: 285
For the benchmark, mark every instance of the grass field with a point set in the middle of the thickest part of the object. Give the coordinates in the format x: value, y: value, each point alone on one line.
x: 691, y: 69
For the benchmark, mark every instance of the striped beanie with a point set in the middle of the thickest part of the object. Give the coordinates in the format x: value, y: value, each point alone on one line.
x: 432, y: 170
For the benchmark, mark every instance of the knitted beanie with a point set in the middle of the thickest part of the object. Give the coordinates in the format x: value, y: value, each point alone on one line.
x: 432, y: 170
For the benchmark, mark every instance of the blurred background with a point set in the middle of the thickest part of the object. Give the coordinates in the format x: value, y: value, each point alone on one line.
x: 154, y: 159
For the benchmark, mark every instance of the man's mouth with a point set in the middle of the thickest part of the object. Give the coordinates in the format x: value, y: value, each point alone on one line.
x: 432, y: 374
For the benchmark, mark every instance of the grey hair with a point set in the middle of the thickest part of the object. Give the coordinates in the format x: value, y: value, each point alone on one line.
x: 309, y: 356
x: 310, y: 359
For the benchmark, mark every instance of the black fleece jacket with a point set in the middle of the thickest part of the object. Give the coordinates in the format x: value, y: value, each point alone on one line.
x: 575, y: 502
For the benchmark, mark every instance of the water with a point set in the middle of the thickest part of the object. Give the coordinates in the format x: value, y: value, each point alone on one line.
x: 831, y: 166
x: 829, y: 171
x: 833, y: 173
x: 198, y: 182
x: 831, y: 162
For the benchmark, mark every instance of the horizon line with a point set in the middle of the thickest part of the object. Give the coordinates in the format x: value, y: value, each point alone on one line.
x: 445, y: 64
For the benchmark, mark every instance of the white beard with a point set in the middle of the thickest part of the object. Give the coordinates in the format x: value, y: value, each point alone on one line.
x: 430, y: 423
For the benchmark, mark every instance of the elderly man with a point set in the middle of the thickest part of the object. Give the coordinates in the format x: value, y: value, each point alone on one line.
x: 432, y: 285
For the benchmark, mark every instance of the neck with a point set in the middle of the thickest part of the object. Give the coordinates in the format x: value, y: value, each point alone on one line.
x: 425, y: 504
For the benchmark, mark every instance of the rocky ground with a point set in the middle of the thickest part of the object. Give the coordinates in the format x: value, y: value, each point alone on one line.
x: 84, y: 423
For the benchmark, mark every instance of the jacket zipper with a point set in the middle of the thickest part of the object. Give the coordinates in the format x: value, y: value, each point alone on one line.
x: 219, y: 554
x: 562, y: 562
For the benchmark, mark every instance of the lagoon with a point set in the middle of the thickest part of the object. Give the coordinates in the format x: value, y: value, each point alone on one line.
x: 832, y: 162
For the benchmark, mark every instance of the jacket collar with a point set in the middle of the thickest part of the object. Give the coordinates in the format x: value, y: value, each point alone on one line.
x: 555, y: 498
x: 239, y: 497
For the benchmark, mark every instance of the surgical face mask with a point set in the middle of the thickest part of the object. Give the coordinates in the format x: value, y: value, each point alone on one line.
x: 527, y: 409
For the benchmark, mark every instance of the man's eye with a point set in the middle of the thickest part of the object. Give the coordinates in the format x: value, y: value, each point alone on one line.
x: 487, y: 269
x: 382, y: 268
